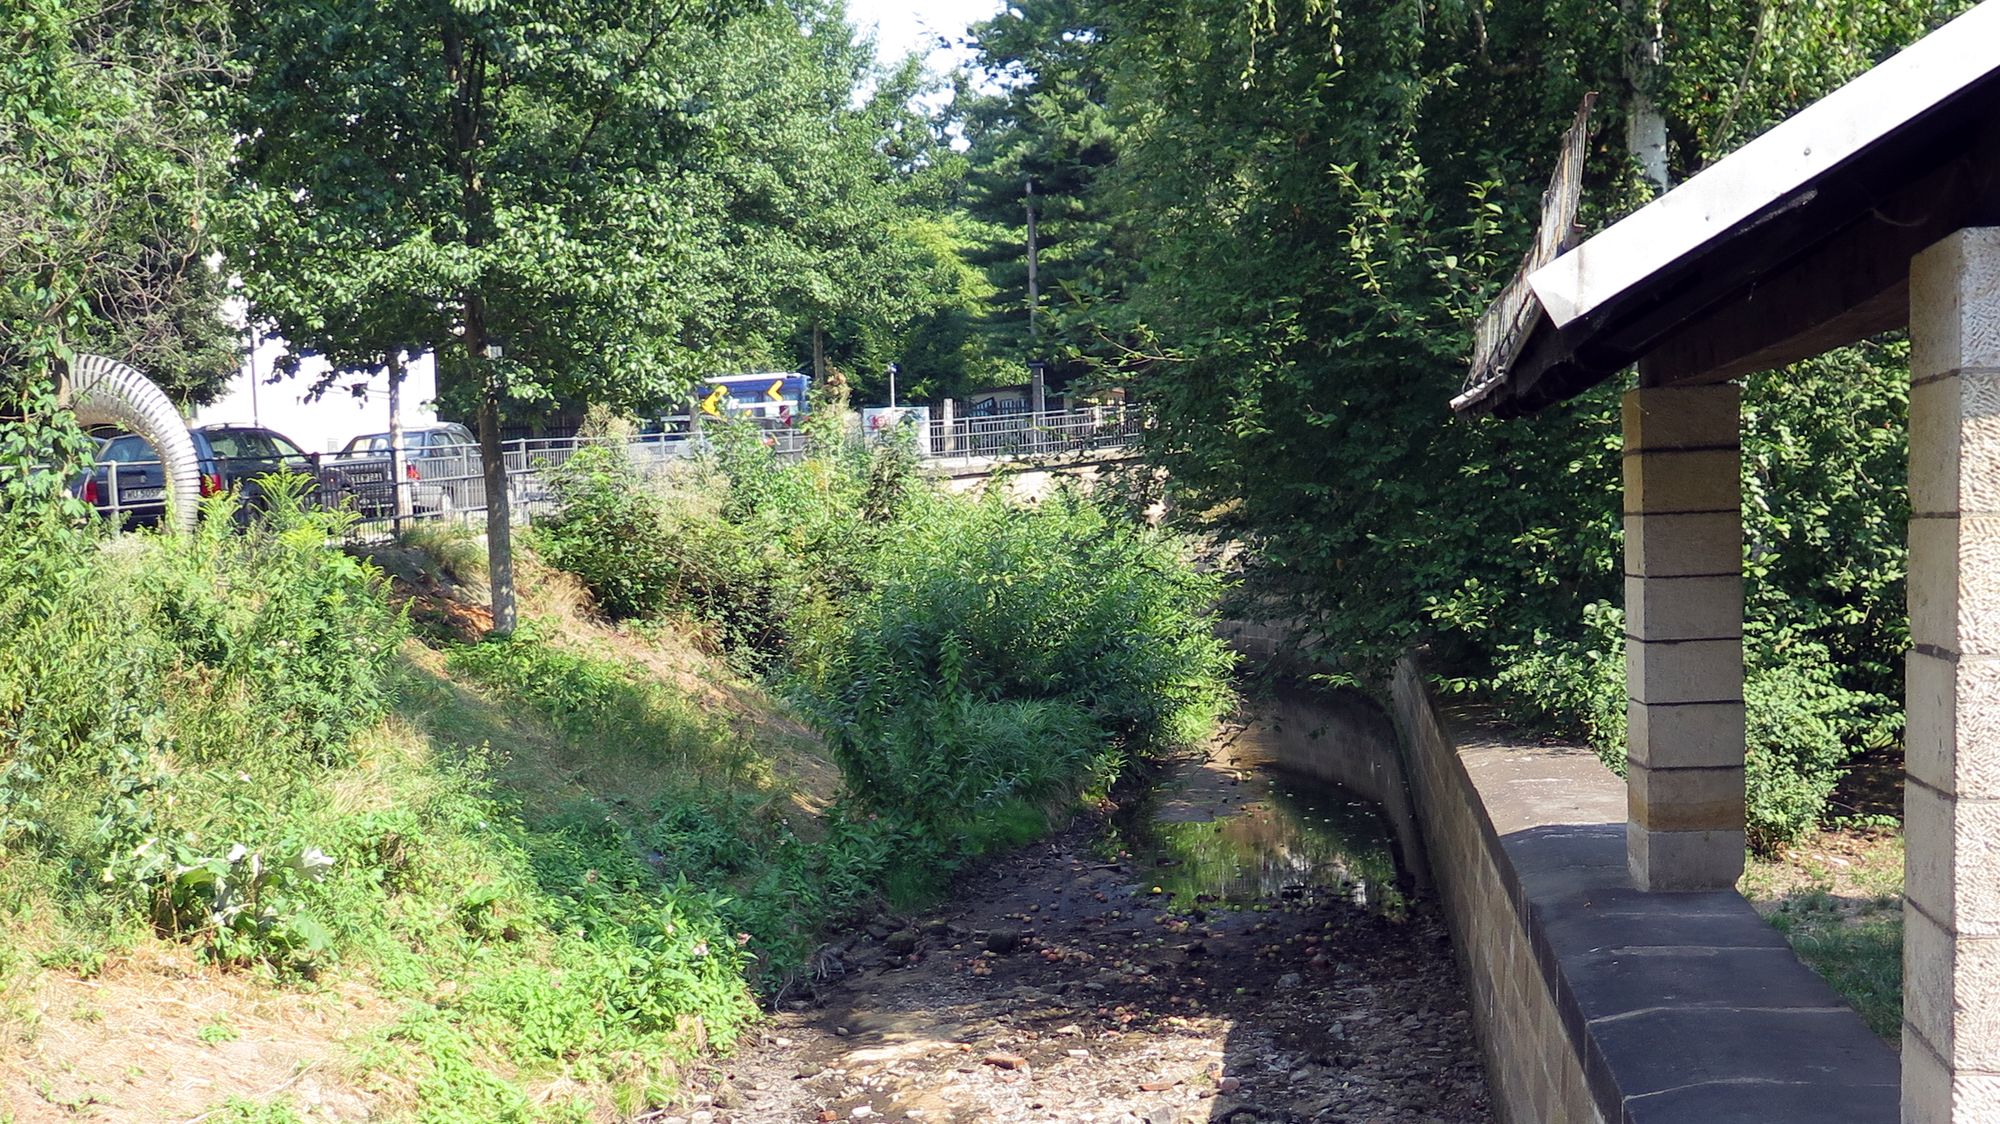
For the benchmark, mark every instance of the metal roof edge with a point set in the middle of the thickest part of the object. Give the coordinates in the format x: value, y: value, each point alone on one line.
x: 1787, y: 158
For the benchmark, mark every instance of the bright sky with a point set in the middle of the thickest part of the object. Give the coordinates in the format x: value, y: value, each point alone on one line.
x: 902, y: 26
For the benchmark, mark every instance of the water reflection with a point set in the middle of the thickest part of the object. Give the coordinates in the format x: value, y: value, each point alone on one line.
x: 1210, y: 836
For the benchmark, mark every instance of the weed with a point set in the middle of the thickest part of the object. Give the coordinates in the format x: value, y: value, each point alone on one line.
x: 218, y: 1031
x: 236, y: 1110
x: 450, y: 548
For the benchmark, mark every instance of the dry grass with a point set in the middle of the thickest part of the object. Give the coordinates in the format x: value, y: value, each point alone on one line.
x: 157, y: 1036
x: 565, y: 617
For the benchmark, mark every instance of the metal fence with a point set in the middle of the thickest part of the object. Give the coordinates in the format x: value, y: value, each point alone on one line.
x: 1056, y: 433
x: 449, y: 483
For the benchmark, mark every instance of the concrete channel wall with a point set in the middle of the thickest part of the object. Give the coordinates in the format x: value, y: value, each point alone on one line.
x: 1595, y: 1002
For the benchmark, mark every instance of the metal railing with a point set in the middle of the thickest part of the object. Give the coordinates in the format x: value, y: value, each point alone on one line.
x: 449, y: 483
x: 1055, y: 433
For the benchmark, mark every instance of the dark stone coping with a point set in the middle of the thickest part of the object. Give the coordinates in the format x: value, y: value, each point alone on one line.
x: 1685, y: 1008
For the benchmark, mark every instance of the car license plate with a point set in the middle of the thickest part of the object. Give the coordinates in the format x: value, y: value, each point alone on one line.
x: 141, y: 493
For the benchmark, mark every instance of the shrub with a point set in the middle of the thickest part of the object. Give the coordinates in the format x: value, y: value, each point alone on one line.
x: 971, y: 663
x: 1056, y: 601
x: 1801, y: 725
x: 157, y: 695
x: 609, y: 530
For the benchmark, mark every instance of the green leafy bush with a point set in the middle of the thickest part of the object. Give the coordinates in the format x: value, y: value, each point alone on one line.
x: 1003, y: 653
x: 157, y: 690
x: 609, y: 531
x: 972, y: 664
x: 1801, y: 724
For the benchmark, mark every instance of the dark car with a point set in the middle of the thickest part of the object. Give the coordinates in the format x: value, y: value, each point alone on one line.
x: 129, y: 481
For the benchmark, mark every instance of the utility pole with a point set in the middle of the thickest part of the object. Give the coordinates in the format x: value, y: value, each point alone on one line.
x: 1037, y: 388
x: 892, y: 386
x: 1034, y: 286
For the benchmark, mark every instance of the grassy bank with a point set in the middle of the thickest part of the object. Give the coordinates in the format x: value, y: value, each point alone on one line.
x: 478, y: 905
x: 285, y: 840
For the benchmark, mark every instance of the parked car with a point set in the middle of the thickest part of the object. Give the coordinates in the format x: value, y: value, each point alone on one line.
x: 128, y: 480
x: 441, y: 462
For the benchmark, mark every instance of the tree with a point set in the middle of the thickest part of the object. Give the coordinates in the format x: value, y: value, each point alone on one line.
x: 1050, y: 125
x: 511, y: 184
x: 111, y: 155
x: 1326, y: 198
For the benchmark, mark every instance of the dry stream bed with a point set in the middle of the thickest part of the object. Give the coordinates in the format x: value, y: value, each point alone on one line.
x: 1238, y: 947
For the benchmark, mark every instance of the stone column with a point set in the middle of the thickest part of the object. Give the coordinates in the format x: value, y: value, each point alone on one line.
x: 1951, y: 794
x: 1684, y: 637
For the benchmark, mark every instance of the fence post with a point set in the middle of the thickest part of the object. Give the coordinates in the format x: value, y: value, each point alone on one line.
x: 948, y: 414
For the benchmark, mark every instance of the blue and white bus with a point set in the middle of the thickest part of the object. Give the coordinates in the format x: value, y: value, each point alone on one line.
x: 773, y: 398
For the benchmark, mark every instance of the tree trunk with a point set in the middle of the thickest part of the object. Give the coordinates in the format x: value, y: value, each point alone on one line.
x: 1645, y: 123
x: 493, y: 466
x: 819, y: 355
x: 467, y: 68
x: 399, y: 484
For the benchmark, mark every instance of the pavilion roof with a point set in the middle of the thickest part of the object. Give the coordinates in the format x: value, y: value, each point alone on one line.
x: 1798, y: 242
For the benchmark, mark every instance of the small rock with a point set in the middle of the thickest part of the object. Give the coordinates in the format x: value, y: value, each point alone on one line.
x: 1163, y: 1115
x: 861, y: 1112
x: 1003, y: 939
x: 1157, y: 1086
x: 901, y: 942
x: 1005, y: 1060
x: 1229, y: 1084
x: 1290, y: 979
x: 702, y: 1118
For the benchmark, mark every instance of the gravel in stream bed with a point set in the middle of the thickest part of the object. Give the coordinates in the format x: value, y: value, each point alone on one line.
x: 1056, y: 988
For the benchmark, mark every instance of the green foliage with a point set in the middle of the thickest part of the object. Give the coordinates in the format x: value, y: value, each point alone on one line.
x: 712, y: 822
x: 1801, y: 723
x: 976, y: 610
x: 1317, y: 201
x: 971, y: 663
x: 609, y: 531
x: 110, y: 154
x: 151, y: 691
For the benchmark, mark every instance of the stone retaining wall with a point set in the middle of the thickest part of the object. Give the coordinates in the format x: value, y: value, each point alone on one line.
x: 1596, y: 1002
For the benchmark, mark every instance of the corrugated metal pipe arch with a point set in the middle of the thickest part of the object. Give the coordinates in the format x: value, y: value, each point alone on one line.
x: 103, y: 391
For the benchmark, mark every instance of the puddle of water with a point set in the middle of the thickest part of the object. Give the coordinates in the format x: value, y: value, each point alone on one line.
x: 1247, y: 835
